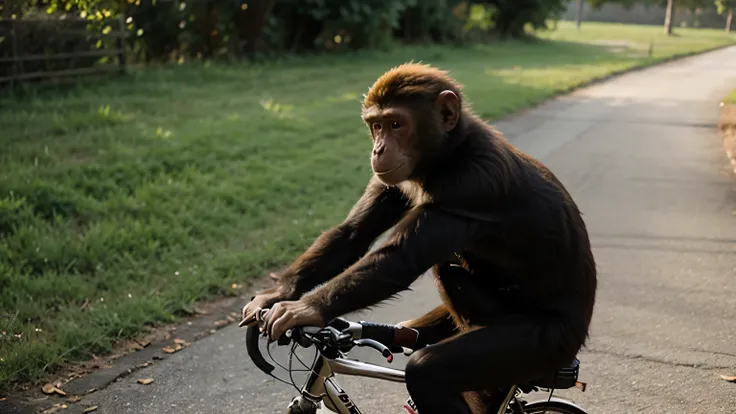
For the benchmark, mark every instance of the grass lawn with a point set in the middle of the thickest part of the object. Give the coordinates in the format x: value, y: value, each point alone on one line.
x: 730, y: 98
x: 124, y: 202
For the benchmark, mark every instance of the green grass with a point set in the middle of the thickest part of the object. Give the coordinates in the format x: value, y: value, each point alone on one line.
x: 730, y: 98
x: 140, y: 196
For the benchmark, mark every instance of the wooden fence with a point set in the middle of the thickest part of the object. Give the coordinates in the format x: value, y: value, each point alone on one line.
x: 18, y: 65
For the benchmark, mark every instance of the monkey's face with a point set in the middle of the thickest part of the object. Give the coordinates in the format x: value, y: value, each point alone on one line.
x: 392, y: 129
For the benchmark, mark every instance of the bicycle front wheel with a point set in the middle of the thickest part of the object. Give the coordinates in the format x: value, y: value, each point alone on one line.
x: 555, y: 406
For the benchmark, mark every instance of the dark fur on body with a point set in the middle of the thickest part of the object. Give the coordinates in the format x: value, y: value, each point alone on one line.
x: 473, y: 200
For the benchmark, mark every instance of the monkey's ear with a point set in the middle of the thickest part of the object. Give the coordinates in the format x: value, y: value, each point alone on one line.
x: 449, y: 106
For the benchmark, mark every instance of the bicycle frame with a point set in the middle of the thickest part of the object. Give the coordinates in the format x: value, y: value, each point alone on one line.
x: 321, y: 384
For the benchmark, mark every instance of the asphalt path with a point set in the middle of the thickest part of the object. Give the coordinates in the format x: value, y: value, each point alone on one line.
x: 641, y: 156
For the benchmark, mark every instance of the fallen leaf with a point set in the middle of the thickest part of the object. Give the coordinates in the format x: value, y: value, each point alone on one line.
x: 85, y: 304
x: 144, y: 343
x: 221, y: 322
x: 90, y: 409
x: 91, y: 390
x: 3, y: 398
x: 230, y: 318
x: 145, y: 381
x: 51, y: 389
x: 74, y: 398
x: 169, y: 350
x: 56, y: 408
x: 181, y: 342
x: 729, y: 378
x: 145, y: 364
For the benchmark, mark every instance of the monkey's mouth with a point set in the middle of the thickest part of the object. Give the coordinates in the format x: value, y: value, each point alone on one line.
x: 390, y: 170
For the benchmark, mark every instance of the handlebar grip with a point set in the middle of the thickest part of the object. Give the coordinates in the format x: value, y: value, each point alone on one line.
x: 381, y: 333
x: 252, y: 335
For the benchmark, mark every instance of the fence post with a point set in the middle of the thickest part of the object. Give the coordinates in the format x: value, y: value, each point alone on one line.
x: 15, y: 54
x: 120, y: 44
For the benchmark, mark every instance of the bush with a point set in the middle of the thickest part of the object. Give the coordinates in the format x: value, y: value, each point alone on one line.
x: 160, y: 30
x: 436, y: 21
x: 511, y: 17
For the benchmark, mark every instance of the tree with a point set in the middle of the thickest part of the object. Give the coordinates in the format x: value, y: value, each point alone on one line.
x: 511, y: 16
x: 251, y: 23
x: 726, y: 6
x: 597, y: 4
x: 668, y: 17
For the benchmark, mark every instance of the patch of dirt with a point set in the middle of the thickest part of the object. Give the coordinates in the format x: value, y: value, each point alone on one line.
x: 728, y: 130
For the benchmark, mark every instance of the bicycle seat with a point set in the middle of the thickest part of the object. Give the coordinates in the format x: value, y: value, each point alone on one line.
x: 563, y: 379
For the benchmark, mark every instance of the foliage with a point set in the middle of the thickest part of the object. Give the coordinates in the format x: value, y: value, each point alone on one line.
x: 434, y: 21
x: 597, y: 4
x: 730, y: 98
x: 723, y: 6
x: 123, y: 203
x: 511, y: 17
x: 336, y: 24
x: 184, y: 29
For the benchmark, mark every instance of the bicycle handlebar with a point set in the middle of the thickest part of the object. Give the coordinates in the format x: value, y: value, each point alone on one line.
x: 339, y: 335
x: 251, y: 345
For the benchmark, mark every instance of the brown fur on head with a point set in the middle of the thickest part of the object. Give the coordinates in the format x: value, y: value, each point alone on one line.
x: 410, y: 81
x: 410, y: 110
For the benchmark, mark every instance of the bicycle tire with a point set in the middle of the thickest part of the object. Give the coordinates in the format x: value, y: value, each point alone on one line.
x: 555, y: 406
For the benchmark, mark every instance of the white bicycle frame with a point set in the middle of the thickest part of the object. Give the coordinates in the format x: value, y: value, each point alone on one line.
x: 321, y: 384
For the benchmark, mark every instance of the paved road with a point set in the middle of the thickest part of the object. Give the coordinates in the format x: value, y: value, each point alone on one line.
x: 641, y: 156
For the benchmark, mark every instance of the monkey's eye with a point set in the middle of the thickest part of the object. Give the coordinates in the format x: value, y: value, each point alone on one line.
x: 376, y: 127
x: 395, y: 125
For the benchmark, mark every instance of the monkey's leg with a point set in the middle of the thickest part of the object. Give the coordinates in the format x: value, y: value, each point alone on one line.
x: 433, y: 327
x: 512, y: 350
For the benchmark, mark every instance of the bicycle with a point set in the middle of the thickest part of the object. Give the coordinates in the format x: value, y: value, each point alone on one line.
x: 334, y: 341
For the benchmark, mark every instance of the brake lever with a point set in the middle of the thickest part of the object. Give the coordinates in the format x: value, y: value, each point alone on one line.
x: 383, y: 349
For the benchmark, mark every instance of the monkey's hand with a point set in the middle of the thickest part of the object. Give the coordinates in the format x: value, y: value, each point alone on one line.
x: 286, y: 315
x: 260, y: 301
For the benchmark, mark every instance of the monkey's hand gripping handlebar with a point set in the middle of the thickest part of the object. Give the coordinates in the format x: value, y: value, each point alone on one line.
x: 336, y: 339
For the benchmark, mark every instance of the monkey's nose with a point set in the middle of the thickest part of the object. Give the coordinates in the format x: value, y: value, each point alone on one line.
x: 379, y: 150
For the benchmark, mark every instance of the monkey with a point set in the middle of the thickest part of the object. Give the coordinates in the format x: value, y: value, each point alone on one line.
x: 505, y: 241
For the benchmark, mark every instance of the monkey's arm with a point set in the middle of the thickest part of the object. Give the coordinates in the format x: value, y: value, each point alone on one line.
x: 424, y: 237
x: 378, y: 209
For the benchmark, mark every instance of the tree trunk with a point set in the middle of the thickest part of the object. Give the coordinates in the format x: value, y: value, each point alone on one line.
x: 729, y: 19
x: 668, y: 17
x: 252, y: 22
x: 580, y: 13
